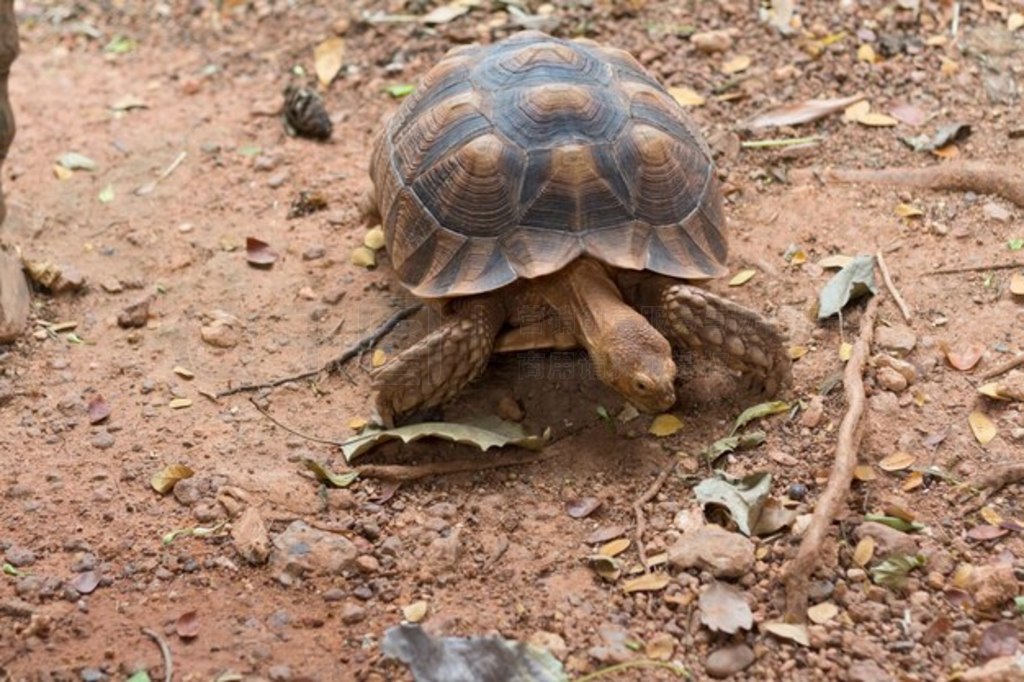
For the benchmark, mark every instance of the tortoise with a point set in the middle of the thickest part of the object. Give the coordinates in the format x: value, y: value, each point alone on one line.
x: 550, y: 192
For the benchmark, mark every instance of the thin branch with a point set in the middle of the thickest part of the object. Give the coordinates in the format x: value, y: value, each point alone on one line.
x: 165, y: 651
x: 893, y: 291
x: 638, y: 509
x: 1004, y: 367
x: 361, y: 346
x: 976, y: 268
x: 798, y: 572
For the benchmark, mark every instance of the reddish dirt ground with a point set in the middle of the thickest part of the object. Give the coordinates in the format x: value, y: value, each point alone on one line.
x: 492, y: 551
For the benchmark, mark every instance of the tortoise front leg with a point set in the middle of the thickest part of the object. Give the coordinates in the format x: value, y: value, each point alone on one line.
x: 437, y: 367
x: 698, y: 319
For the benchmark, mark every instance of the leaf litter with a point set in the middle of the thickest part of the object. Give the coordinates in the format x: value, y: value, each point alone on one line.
x: 484, y: 434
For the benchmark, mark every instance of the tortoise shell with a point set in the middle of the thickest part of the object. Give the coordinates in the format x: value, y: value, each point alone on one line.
x: 512, y: 160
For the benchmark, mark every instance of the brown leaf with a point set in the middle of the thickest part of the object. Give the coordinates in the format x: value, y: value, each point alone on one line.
x: 328, y: 58
x: 583, y: 507
x: 794, y: 632
x: 164, y: 480
x: 187, y: 625
x: 604, y: 534
x: 965, y: 358
x: 801, y: 112
x: 724, y: 608
x: 85, y: 583
x: 985, y: 532
x: 998, y: 639
x: 898, y: 461
x: 258, y: 253
x: 983, y: 428
x: 939, y: 628
x: 649, y: 582
x: 98, y: 409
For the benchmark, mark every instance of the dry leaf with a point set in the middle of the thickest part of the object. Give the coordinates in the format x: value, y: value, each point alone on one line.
x: 328, y: 58
x: 845, y: 351
x: 913, y: 481
x: 615, y: 547
x: 949, y: 67
x: 965, y: 358
x: 98, y: 409
x: 415, y: 612
x: 736, y: 64
x: 866, y: 53
x: 807, y: 111
x: 484, y: 433
x: 183, y: 372
x: 358, y: 423
x: 908, y: 211
x: 649, y: 582
x: 86, y: 582
x: 865, y: 473
x: 164, y: 480
x: 258, y: 253
x: 983, y: 428
x: 665, y: 425
x: 363, y: 257
x: 724, y: 608
x: 582, y: 507
x: 897, y: 461
x: 660, y: 647
x: 823, y: 612
x: 742, y: 277
x: 608, y: 568
x: 991, y: 516
x: 790, y: 631
x: 1017, y: 284
x: 877, y: 120
x: 374, y: 238
x: 447, y: 13
x: 837, y: 261
x: 1014, y: 21
x: 179, y: 403
x: 379, y: 358
x: 864, y: 551
x: 686, y: 97
x: 856, y: 110
x: 994, y: 390
x: 985, y: 533
x: 796, y: 352
x: 187, y: 625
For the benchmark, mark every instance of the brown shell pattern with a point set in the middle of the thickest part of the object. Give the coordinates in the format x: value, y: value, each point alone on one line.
x: 512, y: 160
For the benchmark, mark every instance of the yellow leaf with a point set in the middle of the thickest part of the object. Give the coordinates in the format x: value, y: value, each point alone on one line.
x: 864, y: 551
x: 983, y: 428
x: 686, y: 97
x: 913, y: 481
x: 962, y: 576
x: 845, y: 351
x: 1017, y: 284
x: 649, y: 582
x: 864, y: 473
x: 742, y: 277
x: 328, y: 57
x: 736, y: 64
x: 866, y: 53
x: 876, y: 120
x: 836, y: 261
x: 823, y: 612
x: 855, y: 111
x: 179, y: 403
x: 374, y: 238
x: 796, y: 352
x: 950, y: 151
x: 799, y: 257
x: 991, y: 516
x: 415, y: 612
x: 61, y: 172
x: 657, y: 559
x: 660, y: 646
x: 183, y: 372
x: 908, y: 211
x: 898, y: 461
x: 665, y: 425
x: 363, y: 257
x: 994, y: 390
x: 614, y: 548
x: 1014, y: 21
x: 791, y: 631
x: 164, y: 480
x: 949, y: 67
x: 379, y: 358
x: 357, y: 423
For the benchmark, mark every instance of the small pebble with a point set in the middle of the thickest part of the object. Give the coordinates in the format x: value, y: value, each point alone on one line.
x: 103, y: 440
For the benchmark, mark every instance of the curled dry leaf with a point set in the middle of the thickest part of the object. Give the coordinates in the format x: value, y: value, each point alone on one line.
x: 791, y: 631
x: 98, y: 409
x: 582, y: 507
x: 609, y: 568
x: 615, y: 547
x: 665, y: 425
x: 686, y: 97
x: 856, y: 278
x: 649, y: 582
x: 898, y: 461
x: 983, y: 428
x: 328, y: 58
x: 964, y: 358
x: 258, y: 253
x: 187, y: 625
x: 324, y: 474
x: 908, y: 211
x: 864, y: 551
x: 807, y: 111
x: 164, y: 480
x: 484, y: 434
x: 724, y: 608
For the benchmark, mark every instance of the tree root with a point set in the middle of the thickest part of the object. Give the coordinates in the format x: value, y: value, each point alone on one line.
x: 638, y: 508
x: 965, y: 176
x: 798, y: 572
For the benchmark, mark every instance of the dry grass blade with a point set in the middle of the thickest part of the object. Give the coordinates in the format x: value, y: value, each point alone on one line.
x: 893, y: 291
x: 165, y: 652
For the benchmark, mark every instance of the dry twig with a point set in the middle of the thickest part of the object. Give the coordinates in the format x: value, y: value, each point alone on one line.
x: 165, y: 651
x: 638, y: 509
x: 976, y: 268
x: 401, y: 473
x: 800, y: 569
x: 964, y: 176
x: 361, y: 346
x: 1004, y: 367
x: 893, y: 291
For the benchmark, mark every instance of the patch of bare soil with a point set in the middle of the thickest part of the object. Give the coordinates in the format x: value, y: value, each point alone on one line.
x: 177, y: 104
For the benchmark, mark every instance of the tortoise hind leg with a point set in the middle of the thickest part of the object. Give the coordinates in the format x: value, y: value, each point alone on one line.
x: 434, y: 369
x: 699, y: 319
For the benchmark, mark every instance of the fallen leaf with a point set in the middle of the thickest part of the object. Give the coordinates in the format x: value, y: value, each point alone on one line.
x: 447, y: 13
x: 258, y: 253
x: 743, y: 498
x: 845, y: 351
x: 736, y: 64
x: 358, y: 423
x: 143, y: 676
x: 790, y: 631
x: 665, y: 425
x: 900, y: 524
x: 374, y: 238
x: 106, y: 194
x: 877, y: 120
x: 179, y: 403
x: 866, y: 53
x: 415, y: 612
x: 948, y: 66
x: 608, y: 568
x: 183, y: 372
x: 856, y: 110
x: 660, y: 646
x: 908, y: 113
x: 582, y: 507
x: 604, y: 534
x: 759, y: 411
x: 864, y: 473
x: 986, y: 532
x: 484, y: 434
x: 893, y: 571
x: 773, y: 518
x: 864, y: 551
x: 1014, y: 21
x: 855, y: 279
x: 364, y: 257
x: 938, y: 629
x: 944, y: 136
x: 86, y: 582
x: 964, y: 358
x: 127, y: 103
x: 991, y: 516
x: 328, y: 58
x: 379, y: 358
x: 469, y: 658
x: 1017, y: 284
x: 742, y: 277
x: 898, y: 461
x: 983, y: 428
x: 649, y: 582
x: 722, y: 446
x: 164, y: 480
x: 998, y: 640
x: 797, y: 352
x: 686, y: 97
x: 399, y: 90
x: 187, y: 625
x: 615, y: 547
x: 908, y: 211
x: 98, y: 409
x: 822, y: 613
x: 914, y: 481
x: 324, y: 474
x: 724, y: 608
x: 835, y: 262
x: 74, y: 161
x: 807, y: 111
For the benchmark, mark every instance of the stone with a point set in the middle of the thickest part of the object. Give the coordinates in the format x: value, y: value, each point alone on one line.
x: 993, y: 586
x: 712, y: 548
x: 711, y: 42
x: 814, y: 413
x: 867, y: 671
x: 279, y: 673
x: 250, y: 537
x: 314, y: 252
x: 352, y: 613
x: 996, y: 212
x: 19, y: 556
x: 907, y: 370
x: 884, y: 402
x: 222, y: 331
x: 102, y: 440
x: 14, y: 298
x: 729, y: 660
x: 303, y: 550
x: 898, y: 338
x: 549, y: 641
x: 1002, y: 669
x: 134, y: 316
x: 888, y: 541
x: 891, y: 380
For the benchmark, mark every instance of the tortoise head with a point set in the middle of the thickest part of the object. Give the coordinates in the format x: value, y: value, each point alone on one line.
x: 636, y: 360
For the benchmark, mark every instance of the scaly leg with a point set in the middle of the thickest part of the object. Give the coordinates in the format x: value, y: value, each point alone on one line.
x: 438, y: 366
x: 699, y: 319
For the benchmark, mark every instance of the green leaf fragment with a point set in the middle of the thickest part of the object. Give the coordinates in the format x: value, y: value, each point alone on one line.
x: 9, y: 569
x: 1015, y: 244
x: 723, y: 446
x: 895, y: 522
x: 893, y: 571
x: 106, y: 194
x: 399, y: 90
x: 853, y: 280
x: 139, y: 676
x: 325, y: 475
x: 757, y: 412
